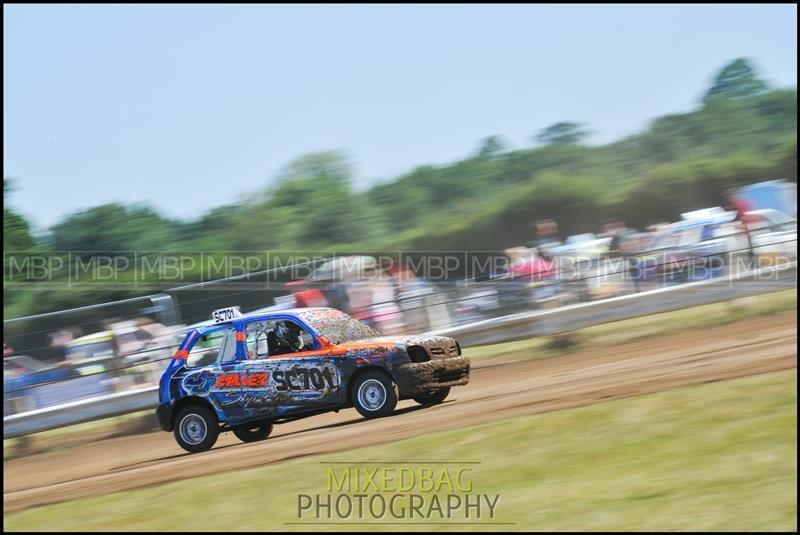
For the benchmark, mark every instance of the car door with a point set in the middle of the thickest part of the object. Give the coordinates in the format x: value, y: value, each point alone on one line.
x: 298, y: 382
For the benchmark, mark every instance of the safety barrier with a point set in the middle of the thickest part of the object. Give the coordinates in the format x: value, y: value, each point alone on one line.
x: 500, y: 329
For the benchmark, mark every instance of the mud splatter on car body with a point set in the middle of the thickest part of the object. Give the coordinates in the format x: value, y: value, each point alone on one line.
x: 242, y: 389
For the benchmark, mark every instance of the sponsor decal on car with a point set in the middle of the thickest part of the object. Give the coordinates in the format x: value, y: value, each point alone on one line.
x: 280, y: 377
x: 301, y: 378
x: 239, y: 380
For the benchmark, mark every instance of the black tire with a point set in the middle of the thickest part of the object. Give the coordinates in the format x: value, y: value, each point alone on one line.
x: 374, y: 395
x: 253, y: 432
x: 434, y: 397
x: 196, y: 429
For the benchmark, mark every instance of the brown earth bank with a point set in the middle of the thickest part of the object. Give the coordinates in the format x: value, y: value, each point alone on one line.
x: 498, y: 388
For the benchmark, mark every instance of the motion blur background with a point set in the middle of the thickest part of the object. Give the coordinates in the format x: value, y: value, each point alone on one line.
x: 385, y: 128
x: 576, y: 153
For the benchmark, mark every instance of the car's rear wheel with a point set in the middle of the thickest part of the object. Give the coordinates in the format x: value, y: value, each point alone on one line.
x: 253, y: 432
x: 374, y: 395
x: 196, y: 429
x: 434, y: 397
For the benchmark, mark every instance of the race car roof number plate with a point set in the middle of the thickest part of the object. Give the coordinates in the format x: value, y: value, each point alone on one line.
x: 226, y: 314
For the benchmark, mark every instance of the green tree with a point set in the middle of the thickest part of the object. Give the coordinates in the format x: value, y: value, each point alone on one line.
x: 17, y: 238
x: 404, y: 204
x: 491, y: 147
x: 736, y: 80
x: 327, y: 165
x: 114, y: 228
x: 315, y: 197
x: 788, y: 160
x: 563, y: 133
x: 16, y: 231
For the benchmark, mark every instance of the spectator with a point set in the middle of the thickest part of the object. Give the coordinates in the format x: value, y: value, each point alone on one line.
x: 741, y: 206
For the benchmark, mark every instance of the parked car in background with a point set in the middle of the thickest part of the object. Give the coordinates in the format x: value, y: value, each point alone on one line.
x: 773, y: 235
x: 704, y: 244
x: 20, y: 373
x: 30, y: 384
x: 779, y: 195
x: 770, y: 219
x: 585, y: 245
x: 142, y: 346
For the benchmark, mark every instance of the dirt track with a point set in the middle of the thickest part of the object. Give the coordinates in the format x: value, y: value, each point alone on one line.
x: 496, y: 390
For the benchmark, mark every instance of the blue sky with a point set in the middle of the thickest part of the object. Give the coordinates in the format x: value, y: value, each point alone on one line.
x: 189, y: 107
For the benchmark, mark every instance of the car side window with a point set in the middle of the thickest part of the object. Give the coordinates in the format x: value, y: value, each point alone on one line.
x: 215, y: 347
x: 258, y: 336
x: 257, y: 333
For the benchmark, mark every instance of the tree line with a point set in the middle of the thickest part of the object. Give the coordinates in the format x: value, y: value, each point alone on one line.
x: 742, y: 131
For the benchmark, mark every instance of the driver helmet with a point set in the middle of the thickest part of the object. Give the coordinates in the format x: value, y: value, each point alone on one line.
x: 288, y: 333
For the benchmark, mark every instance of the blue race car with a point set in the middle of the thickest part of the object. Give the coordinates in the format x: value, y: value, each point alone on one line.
x: 244, y: 373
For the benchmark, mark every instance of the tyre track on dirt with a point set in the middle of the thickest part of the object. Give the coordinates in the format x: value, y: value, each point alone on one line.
x: 496, y: 390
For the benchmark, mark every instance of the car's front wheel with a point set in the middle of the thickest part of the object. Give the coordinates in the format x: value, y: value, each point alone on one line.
x: 253, y: 432
x: 196, y: 429
x: 374, y: 395
x: 434, y: 397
